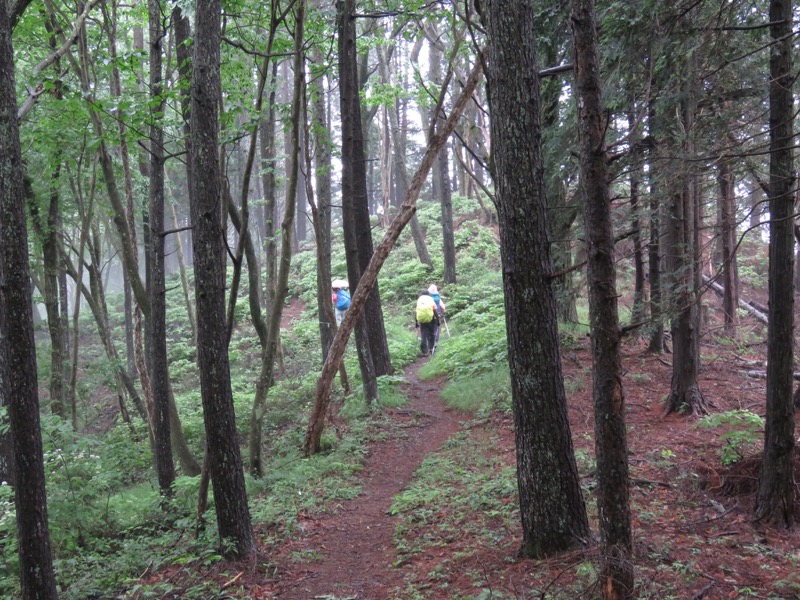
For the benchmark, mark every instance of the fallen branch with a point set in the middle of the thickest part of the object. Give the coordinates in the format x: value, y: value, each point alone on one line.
x: 232, y: 581
x: 763, y: 375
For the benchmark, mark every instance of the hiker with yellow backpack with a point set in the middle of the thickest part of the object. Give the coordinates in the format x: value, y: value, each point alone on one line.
x: 427, y: 321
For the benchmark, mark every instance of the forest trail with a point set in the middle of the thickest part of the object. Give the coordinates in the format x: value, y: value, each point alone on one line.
x: 353, y: 545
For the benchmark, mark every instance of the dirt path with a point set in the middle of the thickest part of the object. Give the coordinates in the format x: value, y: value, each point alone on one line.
x: 355, y: 545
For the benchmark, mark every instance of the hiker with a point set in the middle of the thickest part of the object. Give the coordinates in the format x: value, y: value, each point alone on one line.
x: 340, y: 299
x: 440, y: 307
x: 426, y: 320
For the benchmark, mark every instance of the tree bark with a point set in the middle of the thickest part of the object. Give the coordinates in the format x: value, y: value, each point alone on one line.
x: 551, y: 506
x: 656, y: 343
x: 156, y: 284
x: 356, y: 199
x: 441, y: 181
x: 775, y: 498
x: 17, y: 346
x: 639, y: 309
x: 685, y: 395
x: 225, y: 461
x: 730, y: 280
x: 611, y: 446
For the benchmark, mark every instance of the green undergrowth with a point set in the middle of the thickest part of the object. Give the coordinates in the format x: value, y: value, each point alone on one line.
x: 114, y: 536
x: 466, y: 491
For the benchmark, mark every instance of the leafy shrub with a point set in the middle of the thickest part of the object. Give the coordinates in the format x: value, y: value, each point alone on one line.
x: 745, y: 433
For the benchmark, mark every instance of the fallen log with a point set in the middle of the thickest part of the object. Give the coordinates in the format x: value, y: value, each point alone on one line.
x: 748, y: 306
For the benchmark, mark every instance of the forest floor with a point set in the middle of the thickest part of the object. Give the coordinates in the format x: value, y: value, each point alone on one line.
x: 694, y: 532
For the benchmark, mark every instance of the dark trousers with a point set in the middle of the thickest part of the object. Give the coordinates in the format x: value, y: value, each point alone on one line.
x: 427, y: 334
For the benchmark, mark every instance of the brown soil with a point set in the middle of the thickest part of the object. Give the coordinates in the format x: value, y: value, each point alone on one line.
x: 355, y: 542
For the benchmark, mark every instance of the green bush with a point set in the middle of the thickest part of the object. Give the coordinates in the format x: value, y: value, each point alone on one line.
x: 745, y: 432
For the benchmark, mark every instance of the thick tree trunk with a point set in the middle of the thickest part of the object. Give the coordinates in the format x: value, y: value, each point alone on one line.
x: 355, y: 213
x: 776, y: 496
x: 685, y: 395
x: 17, y: 346
x: 551, y: 506
x: 225, y: 461
x: 611, y: 446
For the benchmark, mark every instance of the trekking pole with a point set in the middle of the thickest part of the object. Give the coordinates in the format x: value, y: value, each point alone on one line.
x: 446, y: 328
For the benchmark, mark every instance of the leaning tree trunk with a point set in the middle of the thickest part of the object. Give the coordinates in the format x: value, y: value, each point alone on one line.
x: 611, y: 446
x: 776, y: 494
x: 17, y: 346
x: 316, y: 422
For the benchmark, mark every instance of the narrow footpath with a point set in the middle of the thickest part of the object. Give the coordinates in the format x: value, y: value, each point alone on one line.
x: 354, y: 544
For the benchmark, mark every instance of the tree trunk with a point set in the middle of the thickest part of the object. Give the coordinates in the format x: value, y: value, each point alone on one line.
x: 184, y: 278
x: 611, y: 446
x: 355, y: 213
x: 730, y: 299
x: 656, y: 343
x: 551, y: 506
x: 639, y: 309
x: 225, y: 461
x: 685, y: 395
x: 386, y: 168
x: 156, y: 285
x: 95, y: 298
x: 266, y: 376
x: 268, y: 165
x: 17, y: 346
x: 321, y: 209
x: 775, y: 498
x: 241, y: 221
x: 441, y: 181
x: 111, y: 23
